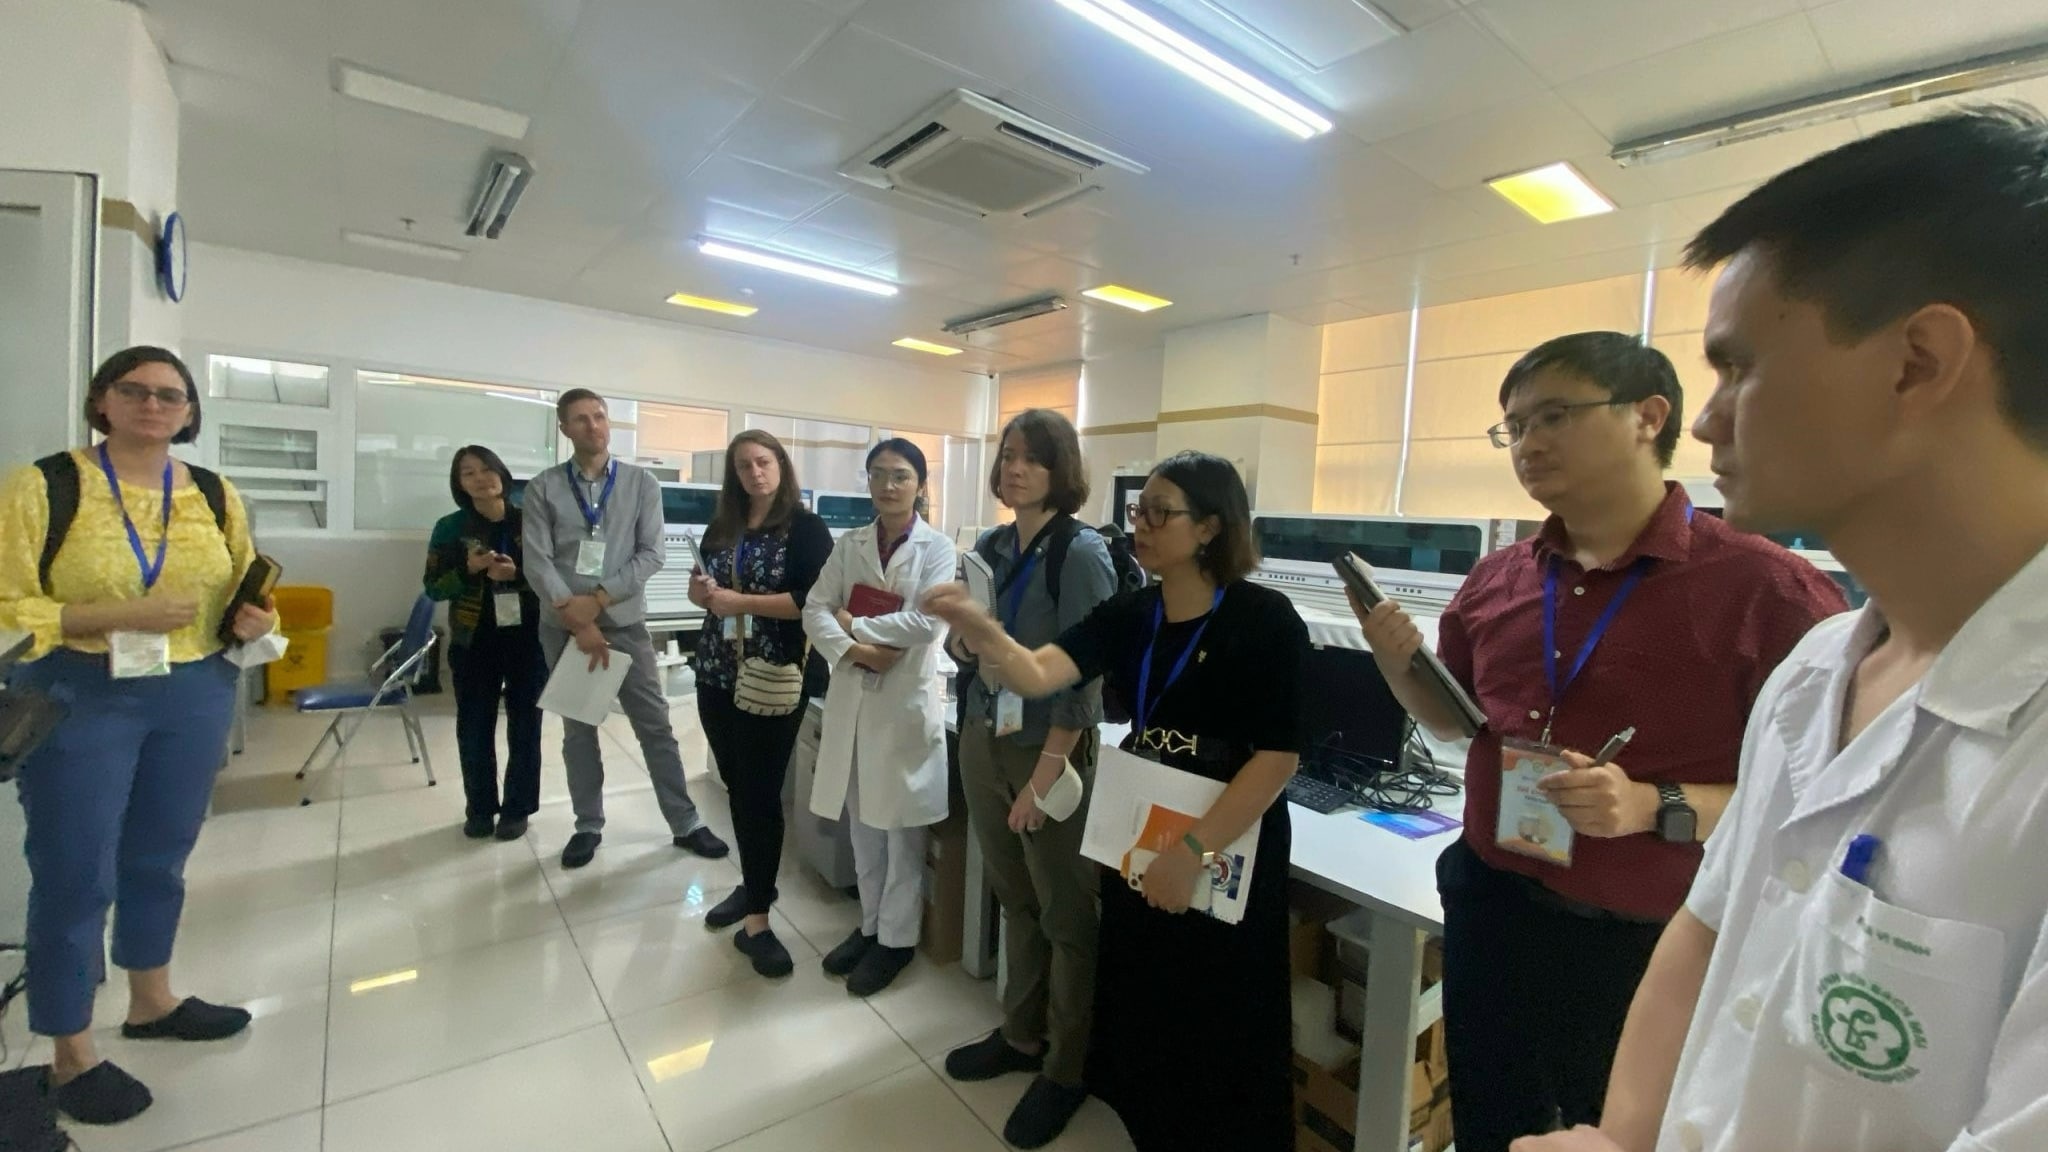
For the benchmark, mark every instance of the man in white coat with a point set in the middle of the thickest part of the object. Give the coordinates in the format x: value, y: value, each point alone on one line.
x: 882, y: 752
x: 1863, y: 961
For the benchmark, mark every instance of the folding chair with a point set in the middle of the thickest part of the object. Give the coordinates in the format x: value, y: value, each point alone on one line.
x: 356, y: 700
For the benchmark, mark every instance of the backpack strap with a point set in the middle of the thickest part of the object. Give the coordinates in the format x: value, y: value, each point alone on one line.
x: 1063, y: 531
x: 61, y: 491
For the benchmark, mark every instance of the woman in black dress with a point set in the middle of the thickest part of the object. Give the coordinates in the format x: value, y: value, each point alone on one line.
x: 1193, y: 1040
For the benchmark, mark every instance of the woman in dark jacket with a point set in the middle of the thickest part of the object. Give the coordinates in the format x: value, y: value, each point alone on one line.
x: 757, y: 562
x: 494, y: 651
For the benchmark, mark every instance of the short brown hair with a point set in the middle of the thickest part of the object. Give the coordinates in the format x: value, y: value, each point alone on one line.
x: 127, y: 360
x: 1214, y: 489
x: 1052, y: 441
x: 573, y: 397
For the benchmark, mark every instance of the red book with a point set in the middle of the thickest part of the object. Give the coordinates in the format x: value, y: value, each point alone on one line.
x: 868, y: 600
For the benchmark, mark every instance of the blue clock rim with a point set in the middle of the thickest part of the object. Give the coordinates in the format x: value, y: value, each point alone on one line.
x: 172, y: 269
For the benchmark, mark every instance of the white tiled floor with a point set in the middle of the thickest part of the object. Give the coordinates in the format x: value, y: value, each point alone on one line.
x: 416, y: 990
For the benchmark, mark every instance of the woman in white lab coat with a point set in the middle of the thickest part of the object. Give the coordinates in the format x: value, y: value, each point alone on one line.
x: 882, y: 753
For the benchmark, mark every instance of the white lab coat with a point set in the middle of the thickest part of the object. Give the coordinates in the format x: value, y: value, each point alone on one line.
x: 898, y: 725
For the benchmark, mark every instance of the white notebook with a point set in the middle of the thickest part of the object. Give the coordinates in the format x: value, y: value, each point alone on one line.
x: 577, y: 693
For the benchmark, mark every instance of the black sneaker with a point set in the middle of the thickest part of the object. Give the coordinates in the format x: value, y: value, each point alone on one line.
x: 581, y: 847
x: 103, y: 1094
x: 512, y: 828
x: 703, y: 842
x: 770, y: 958
x: 193, y: 1019
x: 477, y: 827
x: 990, y: 1057
x: 1043, y: 1113
x: 841, y: 961
x: 878, y: 969
x: 729, y: 911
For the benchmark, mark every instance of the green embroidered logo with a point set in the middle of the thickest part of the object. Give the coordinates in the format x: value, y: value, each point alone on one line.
x: 1865, y: 1028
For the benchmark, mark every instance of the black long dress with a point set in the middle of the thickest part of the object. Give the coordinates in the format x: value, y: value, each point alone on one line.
x: 1193, y: 1036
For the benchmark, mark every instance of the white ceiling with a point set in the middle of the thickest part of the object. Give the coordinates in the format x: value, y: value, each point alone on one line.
x: 654, y: 121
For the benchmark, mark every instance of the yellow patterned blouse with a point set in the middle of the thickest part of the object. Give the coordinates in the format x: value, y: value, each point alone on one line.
x: 97, y: 564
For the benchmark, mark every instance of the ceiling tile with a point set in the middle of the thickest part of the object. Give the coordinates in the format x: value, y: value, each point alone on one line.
x: 1496, y: 142
x: 394, y: 164
x: 795, y: 139
x: 768, y: 191
x: 1745, y: 70
x: 1870, y: 39
x: 1000, y: 40
x: 752, y: 44
x: 1566, y: 41
x: 649, y: 130
x: 503, y: 54
x: 1443, y: 70
x: 284, y: 44
x: 856, y: 217
x: 1744, y: 164
x: 806, y: 242
x: 1413, y: 14
x: 870, y: 81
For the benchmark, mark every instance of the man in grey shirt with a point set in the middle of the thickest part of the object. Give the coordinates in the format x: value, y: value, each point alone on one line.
x: 593, y: 539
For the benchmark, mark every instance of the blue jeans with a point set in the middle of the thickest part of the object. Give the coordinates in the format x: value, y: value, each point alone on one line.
x: 113, y: 801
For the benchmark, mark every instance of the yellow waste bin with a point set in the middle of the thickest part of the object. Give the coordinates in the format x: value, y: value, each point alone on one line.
x: 305, y: 616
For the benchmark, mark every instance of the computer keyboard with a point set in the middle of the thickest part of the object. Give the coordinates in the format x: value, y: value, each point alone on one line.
x: 1318, y: 795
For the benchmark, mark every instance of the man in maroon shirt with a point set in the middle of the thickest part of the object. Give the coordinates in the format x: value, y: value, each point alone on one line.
x: 1628, y: 610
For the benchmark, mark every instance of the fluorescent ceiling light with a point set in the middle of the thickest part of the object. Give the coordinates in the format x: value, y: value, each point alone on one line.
x: 1133, y: 26
x: 521, y: 399
x: 401, y: 245
x: 1124, y: 297
x: 706, y: 303
x: 1898, y: 91
x: 350, y: 80
x: 1552, y: 193
x: 916, y: 345
x: 795, y: 267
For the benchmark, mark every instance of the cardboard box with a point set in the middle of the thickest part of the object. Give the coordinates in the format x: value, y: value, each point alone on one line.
x: 1310, y: 949
x: 1433, y: 962
x: 945, y: 891
x: 1325, y: 1105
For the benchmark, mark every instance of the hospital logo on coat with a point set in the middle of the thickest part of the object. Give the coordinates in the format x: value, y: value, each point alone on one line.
x: 1866, y: 1029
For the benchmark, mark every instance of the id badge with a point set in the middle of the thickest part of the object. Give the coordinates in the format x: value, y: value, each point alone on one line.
x: 136, y: 654
x: 507, y: 606
x: 1529, y: 823
x: 1009, y: 713
x: 870, y: 679
x: 590, y: 558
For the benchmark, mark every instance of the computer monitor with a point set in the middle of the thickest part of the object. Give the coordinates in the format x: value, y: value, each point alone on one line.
x: 1350, y: 719
x: 844, y: 510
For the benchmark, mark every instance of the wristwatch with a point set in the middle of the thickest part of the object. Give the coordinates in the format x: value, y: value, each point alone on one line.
x: 1203, y: 856
x: 1677, y: 823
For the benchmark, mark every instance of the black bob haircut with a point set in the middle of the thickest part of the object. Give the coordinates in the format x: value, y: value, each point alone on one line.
x: 1619, y: 364
x: 1214, y: 488
x: 488, y: 459
x: 1950, y: 210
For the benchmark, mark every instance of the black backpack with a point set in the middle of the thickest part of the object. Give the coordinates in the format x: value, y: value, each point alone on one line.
x: 1059, y: 537
x: 60, y: 486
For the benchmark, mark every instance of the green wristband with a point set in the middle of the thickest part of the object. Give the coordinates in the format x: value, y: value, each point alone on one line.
x: 1195, y: 846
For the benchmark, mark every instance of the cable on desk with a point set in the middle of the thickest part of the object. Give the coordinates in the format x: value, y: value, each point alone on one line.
x: 1378, y: 784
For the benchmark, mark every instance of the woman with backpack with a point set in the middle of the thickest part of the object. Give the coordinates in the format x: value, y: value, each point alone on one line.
x: 1018, y: 760
x: 473, y: 562
x: 126, y: 615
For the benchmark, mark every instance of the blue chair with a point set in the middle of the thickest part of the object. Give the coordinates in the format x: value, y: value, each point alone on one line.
x: 399, y: 667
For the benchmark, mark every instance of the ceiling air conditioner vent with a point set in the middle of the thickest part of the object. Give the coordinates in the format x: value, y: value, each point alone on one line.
x: 979, y: 156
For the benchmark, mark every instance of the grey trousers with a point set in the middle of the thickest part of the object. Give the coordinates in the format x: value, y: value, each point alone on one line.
x: 1049, y: 895
x: 647, y: 710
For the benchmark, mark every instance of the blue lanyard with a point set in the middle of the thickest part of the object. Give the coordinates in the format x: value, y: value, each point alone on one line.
x: 1146, y: 701
x: 739, y: 560
x: 592, y: 516
x: 1621, y: 595
x: 150, y: 571
x: 1018, y: 583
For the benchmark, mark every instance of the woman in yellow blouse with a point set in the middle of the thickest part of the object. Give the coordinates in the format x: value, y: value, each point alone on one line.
x: 124, y: 626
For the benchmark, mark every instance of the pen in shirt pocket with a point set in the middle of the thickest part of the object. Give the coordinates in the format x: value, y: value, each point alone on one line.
x: 1857, y: 861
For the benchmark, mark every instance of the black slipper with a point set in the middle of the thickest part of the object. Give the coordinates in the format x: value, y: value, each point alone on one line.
x: 194, y: 1019
x: 102, y: 1094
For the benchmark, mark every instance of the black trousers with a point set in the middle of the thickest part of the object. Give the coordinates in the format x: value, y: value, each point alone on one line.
x: 753, y: 757
x: 507, y: 663
x: 1534, y: 1000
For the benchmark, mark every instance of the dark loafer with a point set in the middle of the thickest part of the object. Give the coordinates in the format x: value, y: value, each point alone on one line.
x: 194, y: 1019
x: 104, y: 1094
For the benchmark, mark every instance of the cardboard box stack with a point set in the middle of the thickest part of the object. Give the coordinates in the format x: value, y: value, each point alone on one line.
x: 945, y: 878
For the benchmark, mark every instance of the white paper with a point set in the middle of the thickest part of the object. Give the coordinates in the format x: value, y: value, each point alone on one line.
x: 258, y: 652
x: 1126, y: 789
x: 577, y: 693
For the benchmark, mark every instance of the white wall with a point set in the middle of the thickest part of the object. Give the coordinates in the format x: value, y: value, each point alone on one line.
x: 265, y: 305
x: 1119, y: 391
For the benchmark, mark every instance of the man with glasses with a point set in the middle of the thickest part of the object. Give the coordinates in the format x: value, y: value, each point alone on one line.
x: 1629, y: 610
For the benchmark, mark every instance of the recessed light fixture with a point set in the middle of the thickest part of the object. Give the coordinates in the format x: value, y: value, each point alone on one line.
x: 1134, y: 26
x: 350, y: 80
x: 775, y: 262
x: 706, y: 303
x: 1124, y: 297
x: 403, y: 246
x: 916, y: 345
x: 1552, y: 193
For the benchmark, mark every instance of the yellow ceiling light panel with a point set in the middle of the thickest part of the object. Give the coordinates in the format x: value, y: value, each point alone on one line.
x: 916, y: 345
x: 1130, y: 298
x: 707, y: 304
x: 1552, y: 193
